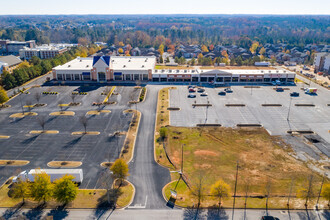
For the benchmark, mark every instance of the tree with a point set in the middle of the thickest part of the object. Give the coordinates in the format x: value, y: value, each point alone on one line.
x: 221, y: 190
x: 198, y: 189
x: 161, y: 60
x: 37, y: 96
x: 8, y: 80
x: 262, y: 51
x: 326, y: 192
x: 120, y: 170
x: 3, y: 95
x: 29, y: 105
x: 41, y: 189
x: 161, y: 49
x: 163, y: 131
x: 65, y: 190
x: 204, y: 49
x: 254, y: 47
x: 73, y: 97
x: 42, y: 121
x: 120, y: 50
x: 193, y: 61
x: 84, y: 121
x: 21, y: 189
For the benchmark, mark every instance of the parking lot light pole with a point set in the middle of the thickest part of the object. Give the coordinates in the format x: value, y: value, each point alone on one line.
x: 289, y: 109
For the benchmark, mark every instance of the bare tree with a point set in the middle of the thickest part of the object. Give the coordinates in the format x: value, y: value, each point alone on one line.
x: 73, y: 97
x: 29, y: 105
x: 84, y: 121
x: 37, y: 96
x: 198, y: 189
x: 42, y: 121
x: 138, y: 83
x: 60, y: 105
x: 106, y: 90
x: 268, y: 188
x: 99, y: 104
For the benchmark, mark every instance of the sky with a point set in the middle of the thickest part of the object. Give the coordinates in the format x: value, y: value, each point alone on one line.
x: 164, y: 7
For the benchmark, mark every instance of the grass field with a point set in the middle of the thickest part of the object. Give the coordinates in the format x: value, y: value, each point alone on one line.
x: 163, y: 119
x: 86, y: 198
x: 263, y: 160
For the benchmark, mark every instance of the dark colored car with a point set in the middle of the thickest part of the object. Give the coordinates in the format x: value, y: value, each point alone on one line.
x: 204, y: 94
x: 294, y: 94
x: 200, y: 90
x: 222, y: 93
x: 269, y: 218
x: 191, y: 96
x: 228, y: 90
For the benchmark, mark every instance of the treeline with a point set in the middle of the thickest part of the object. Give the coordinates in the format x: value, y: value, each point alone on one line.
x: 145, y: 31
x: 37, y: 67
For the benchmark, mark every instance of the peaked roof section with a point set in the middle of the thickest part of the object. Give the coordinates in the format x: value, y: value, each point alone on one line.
x: 105, y: 59
x: 10, y: 60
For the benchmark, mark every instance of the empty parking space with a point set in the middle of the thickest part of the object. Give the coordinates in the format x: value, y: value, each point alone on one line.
x: 276, y: 119
x: 43, y: 148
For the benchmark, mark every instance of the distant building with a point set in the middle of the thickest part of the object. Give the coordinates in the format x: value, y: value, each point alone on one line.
x: 43, y: 52
x: 262, y: 63
x: 322, y: 62
x: 13, y: 47
x: 9, y: 63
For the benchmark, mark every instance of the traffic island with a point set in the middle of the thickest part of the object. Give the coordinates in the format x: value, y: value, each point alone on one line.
x: 126, y: 194
x: 271, y: 105
x: 22, y: 115
x: 4, y: 137
x: 85, y: 133
x: 14, y: 162
x: 97, y: 112
x: 106, y: 164
x: 2, y: 106
x: 64, y: 164
x: 127, y: 151
x: 62, y: 113
x: 235, y: 105
x: 305, y: 105
x: 44, y: 132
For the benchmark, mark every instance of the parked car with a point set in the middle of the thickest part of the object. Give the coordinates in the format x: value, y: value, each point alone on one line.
x: 192, y: 90
x: 191, y: 96
x: 222, y: 93
x: 189, y: 87
x: 294, y: 94
x: 228, y: 90
x: 200, y: 90
x: 204, y: 94
x: 269, y: 218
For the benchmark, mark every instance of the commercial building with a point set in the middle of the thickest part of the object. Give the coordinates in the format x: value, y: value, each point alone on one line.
x: 13, y: 47
x: 322, y: 62
x: 43, y: 52
x: 9, y: 63
x: 119, y: 68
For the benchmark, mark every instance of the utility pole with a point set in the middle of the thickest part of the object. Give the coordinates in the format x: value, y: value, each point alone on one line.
x: 288, y: 204
x: 235, y: 190
x: 318, y: 198
x: 20, y: 98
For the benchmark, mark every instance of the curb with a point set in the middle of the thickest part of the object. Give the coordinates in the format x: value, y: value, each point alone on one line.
x: 132, y: 199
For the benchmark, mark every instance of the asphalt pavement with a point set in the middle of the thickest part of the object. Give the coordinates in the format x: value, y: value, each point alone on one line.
x: 147, y: 176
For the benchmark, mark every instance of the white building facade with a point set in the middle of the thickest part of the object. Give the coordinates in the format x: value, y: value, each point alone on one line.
x: 119, y: 68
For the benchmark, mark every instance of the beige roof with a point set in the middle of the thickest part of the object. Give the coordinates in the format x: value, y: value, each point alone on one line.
x: 132, y: 63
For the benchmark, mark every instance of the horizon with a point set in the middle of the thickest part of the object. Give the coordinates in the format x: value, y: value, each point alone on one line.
x: 170, y: 7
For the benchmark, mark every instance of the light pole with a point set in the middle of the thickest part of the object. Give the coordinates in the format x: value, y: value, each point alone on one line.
x: 235, y: 190
x: 289, y: 109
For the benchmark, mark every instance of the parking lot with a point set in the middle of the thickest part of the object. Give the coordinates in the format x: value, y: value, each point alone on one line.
x: 274, y: 119
x: 40, y: 149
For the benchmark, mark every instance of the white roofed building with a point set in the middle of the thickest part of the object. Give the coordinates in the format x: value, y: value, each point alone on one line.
x: 120, y: 68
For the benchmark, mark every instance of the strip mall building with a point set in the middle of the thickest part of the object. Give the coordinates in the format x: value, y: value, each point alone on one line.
x: 120, y: 68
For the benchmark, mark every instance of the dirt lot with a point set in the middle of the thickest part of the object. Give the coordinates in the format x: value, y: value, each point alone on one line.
x: 262, y: 158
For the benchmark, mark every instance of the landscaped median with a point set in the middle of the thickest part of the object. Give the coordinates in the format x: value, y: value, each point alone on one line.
x: 62, y: 113
x: 85, y: 133
x: 162, y: 120
x: 128, y: 150
x: 44, y: 132
x: 14, y: 162
x: 22, y: 115
x: 265, y: 166
x: 97, y: 112
x: 4, y: 136
x: 64, y: 164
